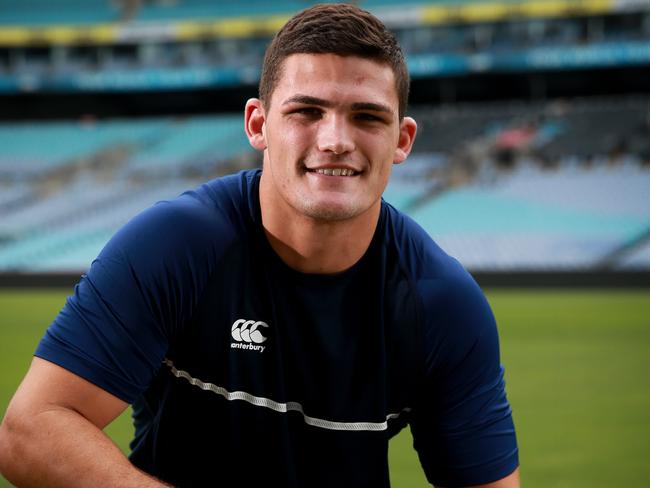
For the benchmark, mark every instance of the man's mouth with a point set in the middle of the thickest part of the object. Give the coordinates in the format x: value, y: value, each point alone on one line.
x: 334, y: 171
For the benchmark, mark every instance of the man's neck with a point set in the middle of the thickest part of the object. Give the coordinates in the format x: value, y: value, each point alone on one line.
x: 311, y: 246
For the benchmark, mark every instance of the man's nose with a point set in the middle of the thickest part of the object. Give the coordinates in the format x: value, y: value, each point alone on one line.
x: 335, y: 135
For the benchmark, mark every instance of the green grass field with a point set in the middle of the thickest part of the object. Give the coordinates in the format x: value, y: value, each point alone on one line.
x: 577, y: 369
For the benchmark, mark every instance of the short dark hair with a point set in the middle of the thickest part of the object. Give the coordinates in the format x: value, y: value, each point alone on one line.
x: 335, y: 28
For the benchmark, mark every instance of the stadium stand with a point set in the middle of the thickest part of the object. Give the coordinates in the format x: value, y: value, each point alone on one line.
x: 61, y: 144
x: 202, y: 9
x: 71, y: 193
x: 568, y: 190
x: 531, y: 183
x: 12, y: 194
x: 149, y: 45
x: 561, y: 128
x: 529, y: 215
x: 637, y: 258
x: 47, y: 12
x: 73, y: 242
x: 190, y: 142
x: 565, y: 222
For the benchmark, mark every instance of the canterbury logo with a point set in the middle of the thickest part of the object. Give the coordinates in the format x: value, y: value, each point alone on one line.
x: 248, y: 335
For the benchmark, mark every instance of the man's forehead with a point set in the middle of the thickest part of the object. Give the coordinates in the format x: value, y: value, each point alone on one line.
x: 323, y: 75
x: 334, y: 66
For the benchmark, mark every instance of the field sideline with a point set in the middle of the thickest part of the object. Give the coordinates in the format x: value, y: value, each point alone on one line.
x: 577, y: 369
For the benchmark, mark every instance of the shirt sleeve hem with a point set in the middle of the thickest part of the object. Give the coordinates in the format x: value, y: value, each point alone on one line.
x: 93, y: 373
x: 482, y: 475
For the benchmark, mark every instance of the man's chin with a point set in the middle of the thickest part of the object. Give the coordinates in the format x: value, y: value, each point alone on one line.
x: 330, y: 211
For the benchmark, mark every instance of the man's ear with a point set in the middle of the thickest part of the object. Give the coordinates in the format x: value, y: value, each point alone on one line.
x: 407, y: 130
x: 254, y: 120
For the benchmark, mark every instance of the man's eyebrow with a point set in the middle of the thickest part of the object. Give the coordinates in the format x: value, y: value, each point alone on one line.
x: 309, y: 100
x: 375, y: 107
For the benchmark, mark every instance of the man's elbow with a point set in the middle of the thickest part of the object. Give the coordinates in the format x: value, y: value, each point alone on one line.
x: 6, y: 445
x: 14, y: 439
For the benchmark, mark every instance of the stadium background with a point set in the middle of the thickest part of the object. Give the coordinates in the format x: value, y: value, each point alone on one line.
x: 532, y: 166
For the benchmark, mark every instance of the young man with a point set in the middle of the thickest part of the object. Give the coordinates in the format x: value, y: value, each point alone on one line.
x: 277, y: 327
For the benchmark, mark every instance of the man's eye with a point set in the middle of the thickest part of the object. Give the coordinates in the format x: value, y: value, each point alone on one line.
x: 368, y: 117
x: 308, y: 111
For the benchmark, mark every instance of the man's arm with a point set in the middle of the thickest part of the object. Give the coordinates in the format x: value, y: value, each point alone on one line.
x: 510, y: 481
x: 52, y: 434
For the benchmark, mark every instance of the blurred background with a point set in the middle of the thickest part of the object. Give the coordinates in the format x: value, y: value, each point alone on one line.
x: 531, y: 166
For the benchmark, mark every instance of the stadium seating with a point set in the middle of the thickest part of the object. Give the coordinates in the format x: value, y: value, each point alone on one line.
x: 578, y: 198
x: 574, y: 194
x: 188, y: 142
x: 12, y: 195
x: 206, y: 9
x: 536, y: 218
x: 71, y: 12
x: 44, y: 12
x: 59, y: 231
x: 103, y: 45
x: 637, y: 258
x: 563, y: 128
x: 30, y: 150
x: 61, y: 199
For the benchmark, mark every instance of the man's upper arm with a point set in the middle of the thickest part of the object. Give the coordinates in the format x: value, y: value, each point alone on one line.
x: 462, y: 426
x: 49, y: 387
x: 115, y: 329
x: 510, y: 481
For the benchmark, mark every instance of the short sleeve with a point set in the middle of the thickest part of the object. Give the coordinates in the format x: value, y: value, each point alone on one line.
x: 462, y: 425
x: 115, y: 329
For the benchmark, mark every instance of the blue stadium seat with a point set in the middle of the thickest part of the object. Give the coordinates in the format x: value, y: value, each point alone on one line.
x: 44, y: 12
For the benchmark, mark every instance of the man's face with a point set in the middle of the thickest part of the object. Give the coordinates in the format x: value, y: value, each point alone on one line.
x: 331, y: 134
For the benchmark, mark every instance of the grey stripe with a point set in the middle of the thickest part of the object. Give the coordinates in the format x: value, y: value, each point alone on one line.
x: 283, y: 407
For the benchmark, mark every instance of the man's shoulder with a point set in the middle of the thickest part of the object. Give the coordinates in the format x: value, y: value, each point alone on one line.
x: 221, y: 201
x: 226, y: 197
x: 232, y: 190
x: 419, y: 255
x: 439, y: 279
x: 200, y: 222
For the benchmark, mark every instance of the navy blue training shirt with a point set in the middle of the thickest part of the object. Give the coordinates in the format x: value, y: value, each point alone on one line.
x: 245, y: 372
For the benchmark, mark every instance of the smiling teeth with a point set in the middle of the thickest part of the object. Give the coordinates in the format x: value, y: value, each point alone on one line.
x: 336, y: 172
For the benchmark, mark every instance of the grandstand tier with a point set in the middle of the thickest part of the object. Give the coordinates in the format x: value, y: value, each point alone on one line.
x: 544, y: 176
x: 62, y: 199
